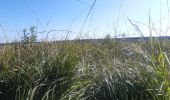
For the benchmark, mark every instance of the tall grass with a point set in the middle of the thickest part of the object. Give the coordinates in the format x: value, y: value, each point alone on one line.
x: 107, y: 70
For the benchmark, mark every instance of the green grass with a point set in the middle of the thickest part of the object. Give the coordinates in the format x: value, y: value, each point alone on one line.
x: 108, y: 70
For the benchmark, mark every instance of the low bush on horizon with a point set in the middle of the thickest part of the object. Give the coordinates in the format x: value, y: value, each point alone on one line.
x: 108, y: 70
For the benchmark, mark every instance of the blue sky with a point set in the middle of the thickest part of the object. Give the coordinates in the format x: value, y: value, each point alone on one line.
x: 106, y: 17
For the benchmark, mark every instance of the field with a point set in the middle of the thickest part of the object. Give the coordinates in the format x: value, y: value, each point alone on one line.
x: 109, y: 69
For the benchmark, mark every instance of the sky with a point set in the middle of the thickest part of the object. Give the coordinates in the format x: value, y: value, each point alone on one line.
x: 57, y: 17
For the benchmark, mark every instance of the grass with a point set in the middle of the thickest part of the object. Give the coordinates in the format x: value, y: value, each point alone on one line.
x: 107, y: 70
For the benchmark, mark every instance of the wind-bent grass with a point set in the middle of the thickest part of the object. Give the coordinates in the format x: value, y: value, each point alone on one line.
x: 108, y: 70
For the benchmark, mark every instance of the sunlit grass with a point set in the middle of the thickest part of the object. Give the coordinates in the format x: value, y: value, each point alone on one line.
x: 108, y: 70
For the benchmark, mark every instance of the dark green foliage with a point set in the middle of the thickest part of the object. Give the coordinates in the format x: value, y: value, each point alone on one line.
x: 30, y: 36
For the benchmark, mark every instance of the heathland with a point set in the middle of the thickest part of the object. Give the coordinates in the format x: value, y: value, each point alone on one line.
x: 106, y: 69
